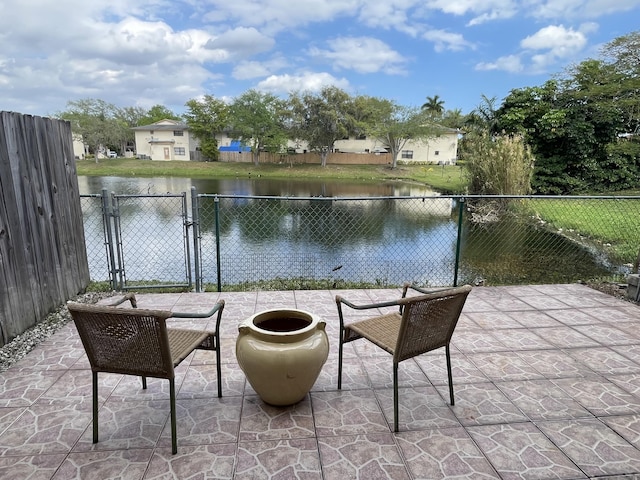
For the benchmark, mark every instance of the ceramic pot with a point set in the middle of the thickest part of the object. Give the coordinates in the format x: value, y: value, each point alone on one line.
x: 282, y: 352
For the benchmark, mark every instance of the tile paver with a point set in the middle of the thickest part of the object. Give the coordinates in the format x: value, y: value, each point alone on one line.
x: 546, y: 378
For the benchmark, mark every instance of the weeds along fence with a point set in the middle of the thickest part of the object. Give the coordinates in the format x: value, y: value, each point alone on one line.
x: 234, y: 242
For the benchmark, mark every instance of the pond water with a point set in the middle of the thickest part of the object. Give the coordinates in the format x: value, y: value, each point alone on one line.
x: 507, y: 252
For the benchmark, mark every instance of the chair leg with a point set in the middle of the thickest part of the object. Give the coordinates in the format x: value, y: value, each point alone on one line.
x: 448, y: 353
x: 172, y: 401
x: 395, y: 397
x: 218, y: 366
x: 340, y: 360
x: 95, y: 406
x: 144, y: 382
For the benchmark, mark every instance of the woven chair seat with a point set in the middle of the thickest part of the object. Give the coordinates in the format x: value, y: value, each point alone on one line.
x: 183, y: 342
x: 382, y: 331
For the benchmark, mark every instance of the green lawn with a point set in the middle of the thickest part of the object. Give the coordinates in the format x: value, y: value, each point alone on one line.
x: 444, y: 178
x: 609, y: 224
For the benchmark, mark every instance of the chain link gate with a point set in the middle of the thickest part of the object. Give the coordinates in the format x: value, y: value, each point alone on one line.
x: 155, y: 253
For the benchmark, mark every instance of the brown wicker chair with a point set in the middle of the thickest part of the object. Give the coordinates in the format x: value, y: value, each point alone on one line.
x: 135, y: 341
x: 424, y: 323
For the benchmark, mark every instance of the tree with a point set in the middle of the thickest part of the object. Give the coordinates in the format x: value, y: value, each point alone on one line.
x: 434, y: 106
x: 453, y: 119
x: 321, y: 119
x: 157, y: 113
x: 257, y: 119
x: 568, y: 125
x: 484, y: 116
x: 206, y: 118
x: 95, y: 122
x: 394, y: 125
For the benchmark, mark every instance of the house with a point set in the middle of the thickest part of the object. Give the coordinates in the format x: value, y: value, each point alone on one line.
x: 442, y: 150
x: 170, y: 140
x: 165, y: 140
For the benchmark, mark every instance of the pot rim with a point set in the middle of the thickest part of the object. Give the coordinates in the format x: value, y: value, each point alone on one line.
x: 291, y: 312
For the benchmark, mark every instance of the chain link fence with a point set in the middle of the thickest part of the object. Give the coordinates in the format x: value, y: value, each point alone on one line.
x: 93, y: 218
x: 138, y: 241
x: 278, y: 243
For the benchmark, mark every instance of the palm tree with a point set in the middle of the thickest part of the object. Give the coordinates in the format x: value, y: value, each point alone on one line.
x: 434, y: 105
x: 485, y: 115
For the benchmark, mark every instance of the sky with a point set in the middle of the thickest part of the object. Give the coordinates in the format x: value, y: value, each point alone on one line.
x: 141, y: 53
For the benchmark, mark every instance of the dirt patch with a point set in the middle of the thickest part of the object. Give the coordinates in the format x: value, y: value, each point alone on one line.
x: 618, y: 290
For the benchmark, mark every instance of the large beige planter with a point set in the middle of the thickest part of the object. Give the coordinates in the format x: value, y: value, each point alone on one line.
x: 282, y: 352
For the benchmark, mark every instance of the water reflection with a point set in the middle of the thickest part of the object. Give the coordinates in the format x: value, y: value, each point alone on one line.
x: 339, y: 230
x: 250, y: 186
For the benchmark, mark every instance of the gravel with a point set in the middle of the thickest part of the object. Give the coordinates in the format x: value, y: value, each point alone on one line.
x: 28, y: 340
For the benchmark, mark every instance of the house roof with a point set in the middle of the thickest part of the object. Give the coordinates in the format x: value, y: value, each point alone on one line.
x: 171, y: 125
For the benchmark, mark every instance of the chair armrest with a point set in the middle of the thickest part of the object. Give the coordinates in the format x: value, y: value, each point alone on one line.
x: 340, y: 299
x: 217, y: 307
x: 426, y: 291
x: 131, y: 297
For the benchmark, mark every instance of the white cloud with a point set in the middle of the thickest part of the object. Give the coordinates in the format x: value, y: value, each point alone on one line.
x: 283, y: 84
x: 553, y: 43
x: 241, y: 42
x: 273, y: 16
x: 444, y: 40
x: 481, y: 10
x: 254, y: 69
x: 508, y: 63
x: 362, y: 54
x: 567, y: 9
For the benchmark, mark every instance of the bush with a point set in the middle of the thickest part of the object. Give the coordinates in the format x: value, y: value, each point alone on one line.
x: 498, y: 165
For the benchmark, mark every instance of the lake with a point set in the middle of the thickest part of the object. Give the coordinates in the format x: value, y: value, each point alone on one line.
x: 387, y: 241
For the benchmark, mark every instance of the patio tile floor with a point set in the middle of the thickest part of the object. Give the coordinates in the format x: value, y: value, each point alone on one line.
x: 547, y: 385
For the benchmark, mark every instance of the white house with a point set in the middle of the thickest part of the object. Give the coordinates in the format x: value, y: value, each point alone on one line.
x: 170, y: 140
x: 441, y: 150
x: 165, y: 140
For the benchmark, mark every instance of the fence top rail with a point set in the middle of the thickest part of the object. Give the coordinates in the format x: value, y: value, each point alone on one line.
x: 150, y: 195
x: 435, y: 196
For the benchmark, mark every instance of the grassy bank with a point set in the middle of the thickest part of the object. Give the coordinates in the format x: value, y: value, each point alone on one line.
x: 445, y: 178
x: 608, y: 224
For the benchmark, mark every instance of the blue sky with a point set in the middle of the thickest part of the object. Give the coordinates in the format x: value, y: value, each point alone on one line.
x: 147, y: 52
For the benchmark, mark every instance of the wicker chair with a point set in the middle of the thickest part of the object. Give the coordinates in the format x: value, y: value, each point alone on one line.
x: 135, y: 341
x: 424, y: 322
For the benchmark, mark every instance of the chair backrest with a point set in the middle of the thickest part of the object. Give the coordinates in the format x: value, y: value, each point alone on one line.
x: 132, y: 341
x: 428, y: 321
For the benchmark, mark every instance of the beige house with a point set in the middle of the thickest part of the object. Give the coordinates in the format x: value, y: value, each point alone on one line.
x: 165, y: 140
x: 170, y: 140
x: 441, y: 150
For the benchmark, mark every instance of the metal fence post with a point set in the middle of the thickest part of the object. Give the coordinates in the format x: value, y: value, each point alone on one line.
x: 187, y: 247
x: 108, y: 237
x: 216, y: 203
x: 458, y: 241
x: 195, y: 223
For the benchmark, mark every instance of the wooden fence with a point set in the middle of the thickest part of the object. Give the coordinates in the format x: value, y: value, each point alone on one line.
x: 337, y: 158
x: 43, y: 259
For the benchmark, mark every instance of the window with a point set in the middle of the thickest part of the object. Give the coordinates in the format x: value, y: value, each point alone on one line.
x: 179, y: 151
x: 437, y: 152
x: 178, y: 133
x: 408, y: 154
